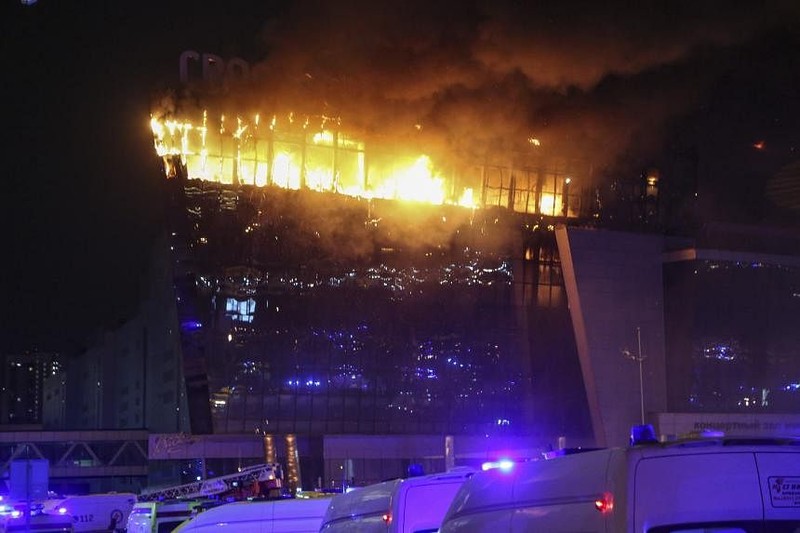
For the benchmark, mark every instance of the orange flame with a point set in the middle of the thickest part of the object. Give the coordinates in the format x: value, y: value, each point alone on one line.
x: 296, y: 158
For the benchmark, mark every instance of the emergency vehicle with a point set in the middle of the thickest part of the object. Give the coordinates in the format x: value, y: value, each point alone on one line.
x: 713, y: 483
x: 415, y: 504
x: 14, y: 518
x: 160, y: 517
x: 293, y: 515
x: 263, y: 480
x: 163, y: 509
x: 95, y: 512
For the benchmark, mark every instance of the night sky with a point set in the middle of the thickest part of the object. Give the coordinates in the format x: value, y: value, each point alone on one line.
x: 624, y: 87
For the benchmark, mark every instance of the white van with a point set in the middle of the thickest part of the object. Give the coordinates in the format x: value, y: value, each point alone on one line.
x: 731, y: 485
x: 411, y: 505
x: 267, y: 516
x: 160, y: 517
x: 95, y: 512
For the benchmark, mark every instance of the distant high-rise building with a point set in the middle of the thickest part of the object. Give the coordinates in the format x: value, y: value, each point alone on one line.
x: 130, y: 377
x: 23, y: 377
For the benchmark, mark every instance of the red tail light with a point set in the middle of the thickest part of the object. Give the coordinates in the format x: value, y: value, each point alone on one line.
x: 605, y: 503
x: 387, y: 518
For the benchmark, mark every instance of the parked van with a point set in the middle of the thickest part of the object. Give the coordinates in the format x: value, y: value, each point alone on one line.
x: 411, y: 505
x: 95, y: 512
x: 265, y: 516
x: 741, y: 485
x: 160, y: 517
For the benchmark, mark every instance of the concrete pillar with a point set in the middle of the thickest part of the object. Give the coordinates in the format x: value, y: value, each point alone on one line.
x: 292, y: 464
x: 269, y: 449
x: 449, y: 453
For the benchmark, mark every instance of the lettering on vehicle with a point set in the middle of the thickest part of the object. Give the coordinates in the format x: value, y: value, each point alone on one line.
x: 784, y: 491
x: 116, y: 516
x: 84, y: 518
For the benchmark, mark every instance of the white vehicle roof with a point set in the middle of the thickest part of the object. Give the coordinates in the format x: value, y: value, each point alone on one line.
x: 392, y: 498
x: 291, y: 515
x: 682, y: 482
x: 372, y: 499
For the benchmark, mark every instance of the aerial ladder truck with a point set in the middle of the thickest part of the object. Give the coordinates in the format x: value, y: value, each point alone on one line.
x: 264, y: 480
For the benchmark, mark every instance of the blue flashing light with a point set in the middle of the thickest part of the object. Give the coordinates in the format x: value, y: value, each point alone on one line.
x: 415, y: 470
x: 643, y: 434
x: 504, y: 465
x: 191, y: 325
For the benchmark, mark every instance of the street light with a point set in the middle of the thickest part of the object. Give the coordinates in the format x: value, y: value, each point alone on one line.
x: 638, y: 357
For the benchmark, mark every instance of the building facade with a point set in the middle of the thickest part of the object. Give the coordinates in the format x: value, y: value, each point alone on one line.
x: 24, y: 377
x: 304, y: 310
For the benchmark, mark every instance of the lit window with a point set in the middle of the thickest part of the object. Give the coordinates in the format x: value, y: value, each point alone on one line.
x: 241, y: 310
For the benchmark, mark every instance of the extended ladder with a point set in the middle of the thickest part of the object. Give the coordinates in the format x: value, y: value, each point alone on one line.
x: 270, y: 473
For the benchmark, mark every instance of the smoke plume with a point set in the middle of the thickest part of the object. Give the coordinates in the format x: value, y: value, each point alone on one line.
x: 471, y: 79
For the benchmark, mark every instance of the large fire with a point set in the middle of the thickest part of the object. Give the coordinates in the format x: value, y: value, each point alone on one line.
x: 296, y: 157
x: 315, y: 154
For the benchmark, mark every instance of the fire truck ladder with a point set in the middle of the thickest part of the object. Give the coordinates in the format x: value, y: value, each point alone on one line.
x: 216, y: 485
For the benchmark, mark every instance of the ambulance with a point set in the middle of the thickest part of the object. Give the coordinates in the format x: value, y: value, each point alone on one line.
x: 706, y: 484
x: 408, y: 505
x: 262, y: 516
x: 95, y: 512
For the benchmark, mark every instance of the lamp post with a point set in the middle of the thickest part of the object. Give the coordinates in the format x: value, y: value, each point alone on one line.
x: 639, y: 358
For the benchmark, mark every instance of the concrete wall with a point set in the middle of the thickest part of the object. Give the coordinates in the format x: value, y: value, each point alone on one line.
x: 614, y: 286
x: 677, y: 425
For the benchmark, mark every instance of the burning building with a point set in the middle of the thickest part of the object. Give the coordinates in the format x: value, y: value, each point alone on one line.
x: 329, y: 286
x: 407, y: 254
x: 314, y: 153
x: 370, y: 303
x: 326, y: 287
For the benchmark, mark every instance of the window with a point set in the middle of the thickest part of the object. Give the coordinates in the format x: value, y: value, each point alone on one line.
x: 242, y: 311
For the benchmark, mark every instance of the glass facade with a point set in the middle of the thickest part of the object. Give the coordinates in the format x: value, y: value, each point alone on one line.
x: 318, y: 313
x: 296, y: 153
x: 733, y: 344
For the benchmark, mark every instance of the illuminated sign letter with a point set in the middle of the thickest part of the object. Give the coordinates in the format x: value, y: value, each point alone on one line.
x: 211, y: 68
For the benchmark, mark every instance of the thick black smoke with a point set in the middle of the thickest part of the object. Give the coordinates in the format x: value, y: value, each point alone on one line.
x: 474, y: 79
